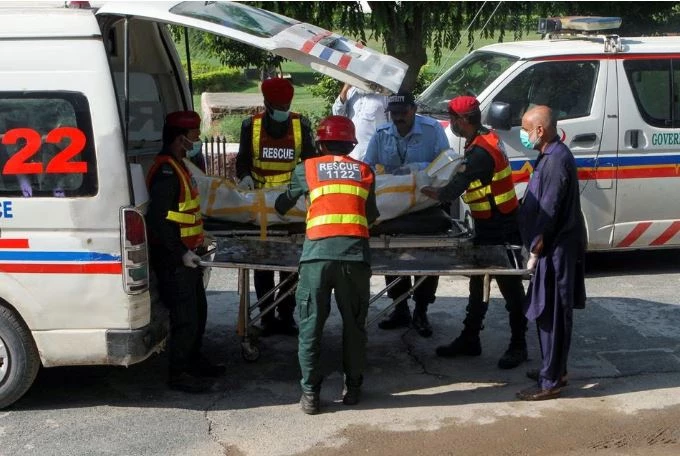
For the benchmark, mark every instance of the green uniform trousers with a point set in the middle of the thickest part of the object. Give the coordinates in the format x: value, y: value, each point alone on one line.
x: 351, y: 282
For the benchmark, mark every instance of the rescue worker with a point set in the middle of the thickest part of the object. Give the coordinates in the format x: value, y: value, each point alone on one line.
x: 272, y: 143
x: 554, y: 233
x: 485, y: 181
x: 175, y: 236
x: 335, y: 255
x: 407, y: 144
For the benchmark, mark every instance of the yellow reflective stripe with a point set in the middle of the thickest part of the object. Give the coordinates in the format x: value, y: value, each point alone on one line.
x: 476, y: 194
x: 190, y: 204
x: 191, y: 231
x: 179, y: 217
x: 257, y: 130
x: 483, y: 206
x: 297, y: 137
x: 276, y: 166
x: 475, y: 183
x: 507, y: 196
x: 501, y: 174
x: 345, y: 189
x: 337, y: 218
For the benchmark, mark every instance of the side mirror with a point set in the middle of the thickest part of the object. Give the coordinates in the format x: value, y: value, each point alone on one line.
x: 499, y: 116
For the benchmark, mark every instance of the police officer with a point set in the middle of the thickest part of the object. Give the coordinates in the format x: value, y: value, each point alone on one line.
x: 408, y: 143
x: 272, y: 143
x: 175, y: 234
x: 335, y: 255
x: 485, y: 181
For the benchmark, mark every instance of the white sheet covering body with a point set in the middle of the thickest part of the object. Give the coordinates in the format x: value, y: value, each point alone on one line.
x: 396, y: 195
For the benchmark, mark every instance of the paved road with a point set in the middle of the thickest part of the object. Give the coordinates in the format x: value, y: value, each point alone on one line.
x: 625, y: 365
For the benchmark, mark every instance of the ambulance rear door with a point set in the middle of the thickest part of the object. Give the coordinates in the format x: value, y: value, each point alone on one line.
x: 323, y: 51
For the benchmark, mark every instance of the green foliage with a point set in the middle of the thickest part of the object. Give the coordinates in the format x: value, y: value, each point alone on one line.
x: 222, y: 80
x: 326, y: 89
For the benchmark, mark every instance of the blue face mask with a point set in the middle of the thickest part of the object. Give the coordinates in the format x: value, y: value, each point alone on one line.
x: 195, y: 148
x: 279, y: 116
x: 525, y: 140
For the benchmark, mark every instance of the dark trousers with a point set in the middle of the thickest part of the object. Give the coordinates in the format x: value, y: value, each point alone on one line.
x: 181, y: 290
x: 351, y: 283
x: 554, y: 335
x: 264, y: 281
x: 423, y: 295
x: 512, y: 289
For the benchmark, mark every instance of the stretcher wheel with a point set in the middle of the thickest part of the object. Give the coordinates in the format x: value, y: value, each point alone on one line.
x: 250, y: 352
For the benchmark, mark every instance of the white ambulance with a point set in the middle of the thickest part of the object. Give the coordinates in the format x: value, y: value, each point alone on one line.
x: 618, y: 106
x: 83, y: 96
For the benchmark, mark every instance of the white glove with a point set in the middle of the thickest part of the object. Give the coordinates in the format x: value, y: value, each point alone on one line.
x: 190, y: 259
x: 533, y: 259
x: 246, y: 183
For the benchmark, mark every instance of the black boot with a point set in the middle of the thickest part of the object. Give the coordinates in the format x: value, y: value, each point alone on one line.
x: 515, y: 355
x: 309, y: 403
x: 287, y: 326
x: 420, y: 321
x: 467, y: 344
x: 400, y: 317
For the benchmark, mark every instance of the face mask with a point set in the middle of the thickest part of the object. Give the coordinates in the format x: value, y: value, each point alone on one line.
x: 279, y: 116
x: 195, y: 148
x: 525, y: 139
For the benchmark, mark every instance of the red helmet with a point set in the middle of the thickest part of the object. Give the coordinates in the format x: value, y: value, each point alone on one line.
x: 336, y: 128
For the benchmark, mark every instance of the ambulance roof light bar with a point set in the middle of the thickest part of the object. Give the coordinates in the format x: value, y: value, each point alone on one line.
x: 582, y: 27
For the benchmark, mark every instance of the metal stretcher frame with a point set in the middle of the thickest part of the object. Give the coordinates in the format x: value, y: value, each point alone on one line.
x: 436, y: 255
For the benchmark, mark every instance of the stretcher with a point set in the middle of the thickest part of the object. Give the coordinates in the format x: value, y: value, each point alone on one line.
x: 448, y: 253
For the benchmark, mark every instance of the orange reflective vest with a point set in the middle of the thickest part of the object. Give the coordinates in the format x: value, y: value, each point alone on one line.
x: 338, y: 190
x: 188, y: 213
x: 274, y: 159
x: 501, y: 190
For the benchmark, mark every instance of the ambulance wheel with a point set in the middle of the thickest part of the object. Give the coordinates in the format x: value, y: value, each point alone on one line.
x: 19, y: 360
x: 250, y: 352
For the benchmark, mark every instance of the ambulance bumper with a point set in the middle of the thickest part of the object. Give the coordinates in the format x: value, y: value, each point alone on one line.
x: 125, y: 347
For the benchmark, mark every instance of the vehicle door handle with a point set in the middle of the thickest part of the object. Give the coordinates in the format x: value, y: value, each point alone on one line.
x: 589, y: 137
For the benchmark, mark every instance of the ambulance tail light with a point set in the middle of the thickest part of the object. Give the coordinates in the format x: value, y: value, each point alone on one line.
x: 134, y: 251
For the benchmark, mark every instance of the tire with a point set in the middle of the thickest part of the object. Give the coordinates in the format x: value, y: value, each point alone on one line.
x: 19, y: 358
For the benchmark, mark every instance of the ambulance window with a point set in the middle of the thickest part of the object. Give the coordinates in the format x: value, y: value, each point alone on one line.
x: 235, y: 16
x: 47, y: 147
x: 567, y: 87
x: 654, y: 85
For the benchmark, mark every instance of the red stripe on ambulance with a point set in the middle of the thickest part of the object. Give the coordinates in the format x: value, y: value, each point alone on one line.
x: 635, y: 234
x: 667, y: 235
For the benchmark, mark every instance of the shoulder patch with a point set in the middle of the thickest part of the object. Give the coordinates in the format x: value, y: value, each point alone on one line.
x: 166, y: 170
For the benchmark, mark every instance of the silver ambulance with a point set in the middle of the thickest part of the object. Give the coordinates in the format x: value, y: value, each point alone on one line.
x: 618, y: 106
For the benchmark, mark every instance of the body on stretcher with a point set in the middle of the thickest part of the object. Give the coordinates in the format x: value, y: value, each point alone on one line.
x: 447, y: 253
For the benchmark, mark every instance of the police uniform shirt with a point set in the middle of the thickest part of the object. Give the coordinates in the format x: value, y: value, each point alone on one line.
x: 244, y: 158
x: 421, y: 145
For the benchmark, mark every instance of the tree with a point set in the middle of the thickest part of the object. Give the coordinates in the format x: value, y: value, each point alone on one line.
x: 407, y: 29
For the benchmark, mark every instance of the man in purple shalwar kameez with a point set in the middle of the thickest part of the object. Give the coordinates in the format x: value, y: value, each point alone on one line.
x: 554, y: 233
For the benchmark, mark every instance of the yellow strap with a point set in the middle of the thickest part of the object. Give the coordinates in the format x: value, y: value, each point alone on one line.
x: 505, y: 172
x: 191, y: 231
x: 297, y: 137
x: 337, y: 218
x: 483, y: 206
x: 188, y: 204
x: 345, y: 189
x: 257, y: 131
x: 179, y: 217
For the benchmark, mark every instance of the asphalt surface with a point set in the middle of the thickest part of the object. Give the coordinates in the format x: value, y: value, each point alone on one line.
x: 624, y: 365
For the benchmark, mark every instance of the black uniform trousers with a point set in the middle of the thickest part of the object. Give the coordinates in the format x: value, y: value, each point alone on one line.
x: 181, y: 290
x: 423, y: 295
x: 264, y: 282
